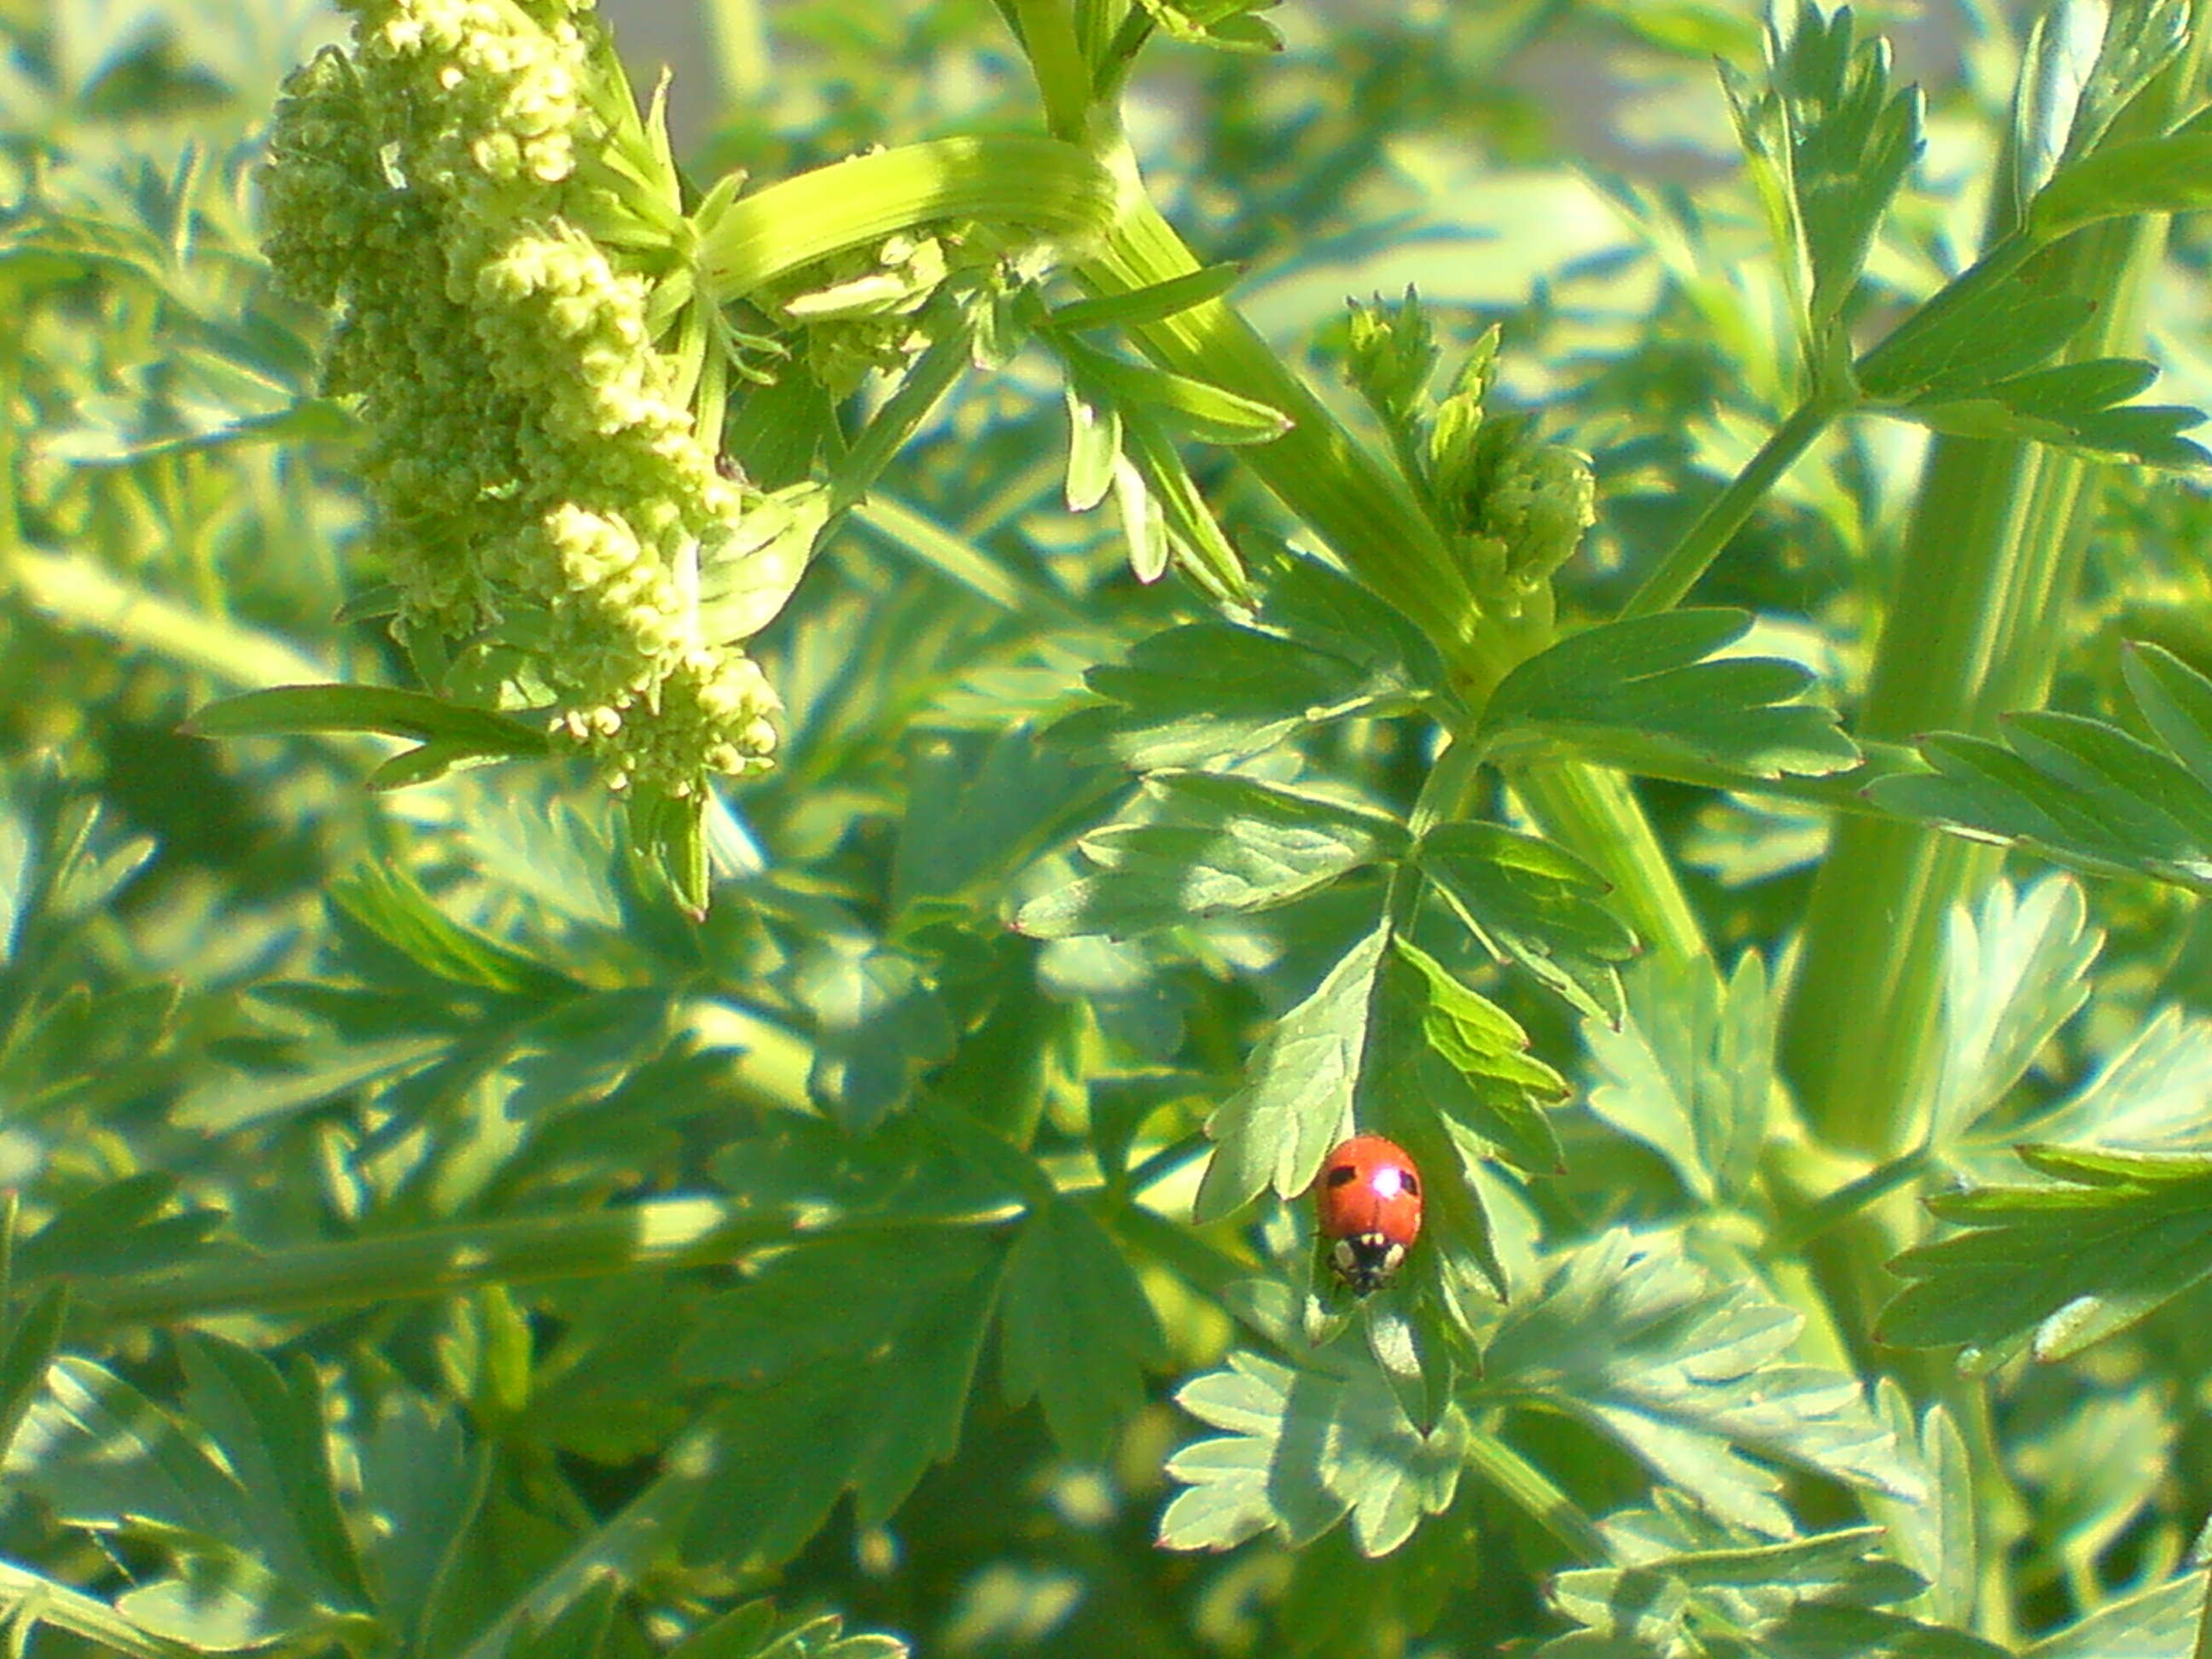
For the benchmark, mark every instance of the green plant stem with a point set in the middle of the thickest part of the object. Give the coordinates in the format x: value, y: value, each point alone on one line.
x: 1537, y: 1496
x: 1678, y: 572
x: 1597, y: 813
x: 660, y: 1234
x: 78, y: 592
x: 1975, y: 626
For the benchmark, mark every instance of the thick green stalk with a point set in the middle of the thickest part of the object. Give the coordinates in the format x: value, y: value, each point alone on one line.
x: 1974, y: 627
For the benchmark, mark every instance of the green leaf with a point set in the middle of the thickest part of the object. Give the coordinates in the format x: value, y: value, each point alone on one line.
x: 2013, y: 973
x: 387, y: 905
x: 284, y: 710
x: 2083, y: 792
x: 1297, y: 1104
x: 878, y: 1025
x: 2115, y: 1236
x: 1303, y: 1450
x: 1649, y: 691
x: 1534, y: 902
x: 1977, y: 337
x: 1094, y: 448
x: 273, y: 1435
x: 1209, y: 413
x: 1199, y: 845
x: 821, y: 1179
x: 117, y: 1228
x: 2171, y: 173
x: 1182, y: 513
x: 421, y: 1488
x: 102, y: 1456
x: 1154, y: 303
x: 1681, y: 1577
x: 1483, y: 1078
x: 1076, y: 1328
x: 1690, y: 1072
x: 2148, y: 1095
x: 1829, y: 146
x: 859, y: 1349
x: 2081, y: 407
x: 1630, y: 1336
x: 1933, y: 1535
x: 753, y: 1630
x: 1207, y: 693
x: 977, y: 805
x: 2158, y: 1623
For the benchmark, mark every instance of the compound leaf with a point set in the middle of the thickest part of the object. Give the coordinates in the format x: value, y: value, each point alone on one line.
x: 1303, y: 1450
x: 2113, y: 1235
x: 860, y: 1349
x: 1633, y: 1338
x: 1649, y: 694
x: 1534, y: 902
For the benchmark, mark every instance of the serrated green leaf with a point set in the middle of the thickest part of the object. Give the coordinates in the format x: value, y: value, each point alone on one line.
x: 1647, y: 690
x: 2084, y: 791
x: 102, y: 1455
x: 1298, y: 1103
x: 2149, y: 1095
x: 1501, y: 1089
x: 272, y: 1434
x: 1208, y: 693
x: 1076, y: 1329
x: 1933, y: 1535
x: 115, y: 1229
x: 1829, y: 144
x: 1201, y: 845
x: 1630, y: 1336
x: 1981, y: 337
x: 2161, y: 1622
x: 422, y: 1487
x: 820, y: 1178
x: 1534, y: 902
x: 387, y: 904
x: 2117, y: 1235
x: 2013, y: 973
x: 2175, y: 700
x: 2074, y: 406
x: 1690, y: 1072
x: 860, y: 1350
x: 1682, y: 1577
x: 1303, y: 1451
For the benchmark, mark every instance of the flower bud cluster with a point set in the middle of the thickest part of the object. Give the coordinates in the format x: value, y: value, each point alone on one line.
x: 540, y: 494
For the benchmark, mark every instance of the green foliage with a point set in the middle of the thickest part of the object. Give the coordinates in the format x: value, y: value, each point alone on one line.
x: 2090, y: 793
x: 453, y: 1212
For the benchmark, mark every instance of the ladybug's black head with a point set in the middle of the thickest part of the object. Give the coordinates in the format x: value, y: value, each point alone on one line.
x: 1366, y: 1261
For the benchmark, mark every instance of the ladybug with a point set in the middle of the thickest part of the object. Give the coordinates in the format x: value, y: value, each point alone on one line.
x: 1369, y: 1201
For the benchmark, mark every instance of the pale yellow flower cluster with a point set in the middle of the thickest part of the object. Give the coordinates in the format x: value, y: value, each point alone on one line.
x: 540, y: 495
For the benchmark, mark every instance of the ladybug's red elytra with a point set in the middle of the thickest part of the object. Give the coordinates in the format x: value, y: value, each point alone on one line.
x: 1369, y: 1201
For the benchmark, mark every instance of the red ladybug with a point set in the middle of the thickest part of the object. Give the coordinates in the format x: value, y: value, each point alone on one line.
x: 1369, y: 1201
